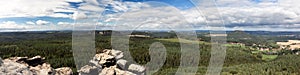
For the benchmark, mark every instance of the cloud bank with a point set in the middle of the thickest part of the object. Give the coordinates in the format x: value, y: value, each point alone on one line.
x: 269, y: 15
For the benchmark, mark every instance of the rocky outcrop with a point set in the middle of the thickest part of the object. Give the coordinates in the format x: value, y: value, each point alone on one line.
x: 30, y: 66
x: 110, y: 62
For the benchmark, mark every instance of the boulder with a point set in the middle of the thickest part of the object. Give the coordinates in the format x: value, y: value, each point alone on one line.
x: 105, y: 60
x: 95, y: 63
x: 44, y: 69
x: 63, y: 71
x: 109, y: 62
x: 123, y: 72
x: 117, y: 54
x: 17, y: 59
x: 89, y: 70
x: 30, y: 66
x: 34, y: 61
x: 108, y: 71
x: 10, y: 67
x: 136, y: 68
x: 122, y: 63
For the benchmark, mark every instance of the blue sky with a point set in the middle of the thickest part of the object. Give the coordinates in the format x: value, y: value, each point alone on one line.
x: 21, y: 20
x: 269, y: 15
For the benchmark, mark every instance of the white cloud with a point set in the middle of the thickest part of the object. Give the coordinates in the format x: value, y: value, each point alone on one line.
x: 9, y: 26
x: 94, y: 2
x: 32, y: 8
x: 148, y: 18
x: 246, y: 14
x: 30, y: 23
x: 236, y: 14
x: 243, y: 14
x: 74, y: 0
x: 42, y: 22
x: 94, y: 8
x: 9, y: 23
x: 60, y: 15
x: 117, y: 6
x: 265, y: 14
x: 79, y: 15
x: 128, y: 6
x: 64, y: 23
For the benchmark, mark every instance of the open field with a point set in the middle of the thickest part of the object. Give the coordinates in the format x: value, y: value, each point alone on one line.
x: 269, y: 57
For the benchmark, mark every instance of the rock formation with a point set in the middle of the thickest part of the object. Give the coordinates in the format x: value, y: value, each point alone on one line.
x: 110, y: 62
x: 30, y: 66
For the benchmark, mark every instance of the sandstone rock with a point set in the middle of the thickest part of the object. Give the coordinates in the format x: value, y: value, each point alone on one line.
x: 89, y: 70
x: 15, y: 59
x: 122, y: 72
x: 34, y: 61
x: 98, y: 57
x: 136, y: 68
x: 44, y: 69
x: 108, y: 71
x: 105, y: 59
x: 63, y: 71
x: 122, y: 63
x: 27, y: 66
x: 106, y: 51
x: 36, y: 57
x: 10, y: 67
x: 109, y: 62
x: 117, y: 54
x: 95, y: 63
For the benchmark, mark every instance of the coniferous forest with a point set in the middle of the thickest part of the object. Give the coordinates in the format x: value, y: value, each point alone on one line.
x: 57, y: 49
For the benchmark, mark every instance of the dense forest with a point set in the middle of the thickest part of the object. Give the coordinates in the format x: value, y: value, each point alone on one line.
x: 57, y: 49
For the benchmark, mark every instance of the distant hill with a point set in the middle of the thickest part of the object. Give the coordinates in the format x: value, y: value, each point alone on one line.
x: 243, y: 37
x: 33, y: 35
x: 240, y: 35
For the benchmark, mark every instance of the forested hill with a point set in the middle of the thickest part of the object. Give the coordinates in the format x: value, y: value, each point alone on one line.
x: 33, y: 35
x: 243, y: 37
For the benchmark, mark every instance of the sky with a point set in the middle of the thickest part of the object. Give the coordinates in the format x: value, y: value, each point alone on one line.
x: 266, y: 15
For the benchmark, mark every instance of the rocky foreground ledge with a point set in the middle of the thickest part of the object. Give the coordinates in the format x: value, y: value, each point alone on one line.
x: 30, y: 66
x: 109, y: 62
